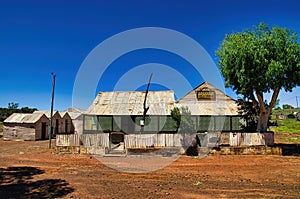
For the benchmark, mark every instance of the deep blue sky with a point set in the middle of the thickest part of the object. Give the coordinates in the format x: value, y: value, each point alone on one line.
x: 38, y: 37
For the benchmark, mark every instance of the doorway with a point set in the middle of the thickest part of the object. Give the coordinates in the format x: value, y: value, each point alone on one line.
x: 116, y: 142
x: 56, y: 126
x: 44, y: 128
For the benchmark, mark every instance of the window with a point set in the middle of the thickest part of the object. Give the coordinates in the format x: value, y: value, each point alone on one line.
x: 222, y: 123
x: 204, y: 123
x: 90, y: 122
x: 105, y: 123
x: 150, y: 123
x: 117, y: 123
x: 236, y: 124
x: 167, y: 124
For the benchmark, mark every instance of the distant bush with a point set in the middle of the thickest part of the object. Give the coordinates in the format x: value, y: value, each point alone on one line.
x: 6, y: 112
x: 287, y: 106
x: 291, y: 116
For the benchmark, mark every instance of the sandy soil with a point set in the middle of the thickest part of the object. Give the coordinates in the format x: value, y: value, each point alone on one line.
x: 31, y: 170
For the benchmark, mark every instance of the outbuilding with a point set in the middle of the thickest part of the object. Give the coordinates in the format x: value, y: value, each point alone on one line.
x: 57, y: 121
x: 26, y: 126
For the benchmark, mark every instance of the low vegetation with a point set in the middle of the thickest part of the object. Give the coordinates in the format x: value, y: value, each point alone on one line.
x: 1, y: 129
x: 286, y: 129
x: 14, y: 108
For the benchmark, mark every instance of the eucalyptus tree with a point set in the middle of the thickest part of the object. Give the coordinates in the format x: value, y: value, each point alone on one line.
x: 259, y: 61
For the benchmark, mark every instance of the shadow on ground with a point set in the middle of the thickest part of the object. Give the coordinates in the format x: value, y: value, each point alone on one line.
x: 289, y: 149
x: 17, y: 182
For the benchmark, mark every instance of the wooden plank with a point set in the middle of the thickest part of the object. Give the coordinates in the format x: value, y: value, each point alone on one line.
x: 96, y: 139
x: 67, y: 140
x: 18, y: 133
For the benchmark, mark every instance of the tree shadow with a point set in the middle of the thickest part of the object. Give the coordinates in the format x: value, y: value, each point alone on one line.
x: 289, y: 149
x: 17, y: 182
x: 190, y: 143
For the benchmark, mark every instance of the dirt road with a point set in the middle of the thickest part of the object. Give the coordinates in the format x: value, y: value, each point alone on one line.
x: 30, y: 170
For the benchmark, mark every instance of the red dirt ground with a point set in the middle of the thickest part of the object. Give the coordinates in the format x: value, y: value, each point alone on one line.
x: 31, y: 170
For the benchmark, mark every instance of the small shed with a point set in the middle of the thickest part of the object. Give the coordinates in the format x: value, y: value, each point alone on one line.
x: 66, y: 126
x: 57, y: 121
x: 77, y: 119
x: 26, y: 126
x: 73, y: 127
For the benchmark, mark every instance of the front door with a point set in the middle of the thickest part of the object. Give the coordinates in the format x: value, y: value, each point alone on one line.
x: 116, y: 142
x: 56, y: 126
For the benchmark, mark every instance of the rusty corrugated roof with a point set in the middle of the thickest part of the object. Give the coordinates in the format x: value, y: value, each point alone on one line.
x: 23, y: 118
x: 47, y: 113
x: 73, y: 115
x: 131, y: 103
x: 221, y: 105
x: 210, y: 107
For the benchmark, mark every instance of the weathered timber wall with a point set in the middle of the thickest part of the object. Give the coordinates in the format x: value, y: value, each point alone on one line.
x: 38, y: 128
x: 67, y: 140
x: 212, y: 139
x: 97, y: 139
x: 251, y: 139
x: 159, y: 140
x: 78, y: 125
x: 18, y: 133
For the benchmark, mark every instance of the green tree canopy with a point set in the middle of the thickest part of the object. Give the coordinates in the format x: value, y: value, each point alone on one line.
x: 182, y: 117
x: 13, y: 106
x: 259, y: 61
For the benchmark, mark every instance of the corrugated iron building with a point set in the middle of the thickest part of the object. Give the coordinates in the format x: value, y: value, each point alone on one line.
x: 122, y: 111
x: 67, y: 125
x: 57, y: 121
x: 26, y: 126
x: 113, y: 121
x: 206, y: 99
x: 114, y: 117
x: 35, y: 126
x: 211, y: 109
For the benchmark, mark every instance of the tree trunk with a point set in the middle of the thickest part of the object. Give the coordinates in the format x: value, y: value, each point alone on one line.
x: 263, y: 121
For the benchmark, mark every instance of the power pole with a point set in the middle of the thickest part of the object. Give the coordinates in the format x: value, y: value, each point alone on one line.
x: 297, y: 101
x: 50, y: 131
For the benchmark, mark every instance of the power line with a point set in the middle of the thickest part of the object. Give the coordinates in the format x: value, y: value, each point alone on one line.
x: 287, y: 99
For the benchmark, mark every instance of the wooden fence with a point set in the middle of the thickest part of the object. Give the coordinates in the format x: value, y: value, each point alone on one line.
x: 210, y: 139
x: 67, y: 140
x: 99, y: 139
x: 158, y: 140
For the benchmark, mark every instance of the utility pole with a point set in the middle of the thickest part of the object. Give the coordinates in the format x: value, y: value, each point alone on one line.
x: 297, y: 101
x: 50, y: 131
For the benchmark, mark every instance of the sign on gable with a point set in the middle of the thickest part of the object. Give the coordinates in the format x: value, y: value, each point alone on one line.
x: 206, y: 94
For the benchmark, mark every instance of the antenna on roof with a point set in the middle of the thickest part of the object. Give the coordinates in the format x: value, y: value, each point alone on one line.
x: 142, y: 122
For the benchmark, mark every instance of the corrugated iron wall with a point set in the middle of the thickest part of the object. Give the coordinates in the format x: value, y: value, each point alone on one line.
x: 67, y: 140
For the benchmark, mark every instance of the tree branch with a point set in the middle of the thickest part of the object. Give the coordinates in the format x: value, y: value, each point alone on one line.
x: 260, y: 100
x: 254, y: 102
x: 274, y: 98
